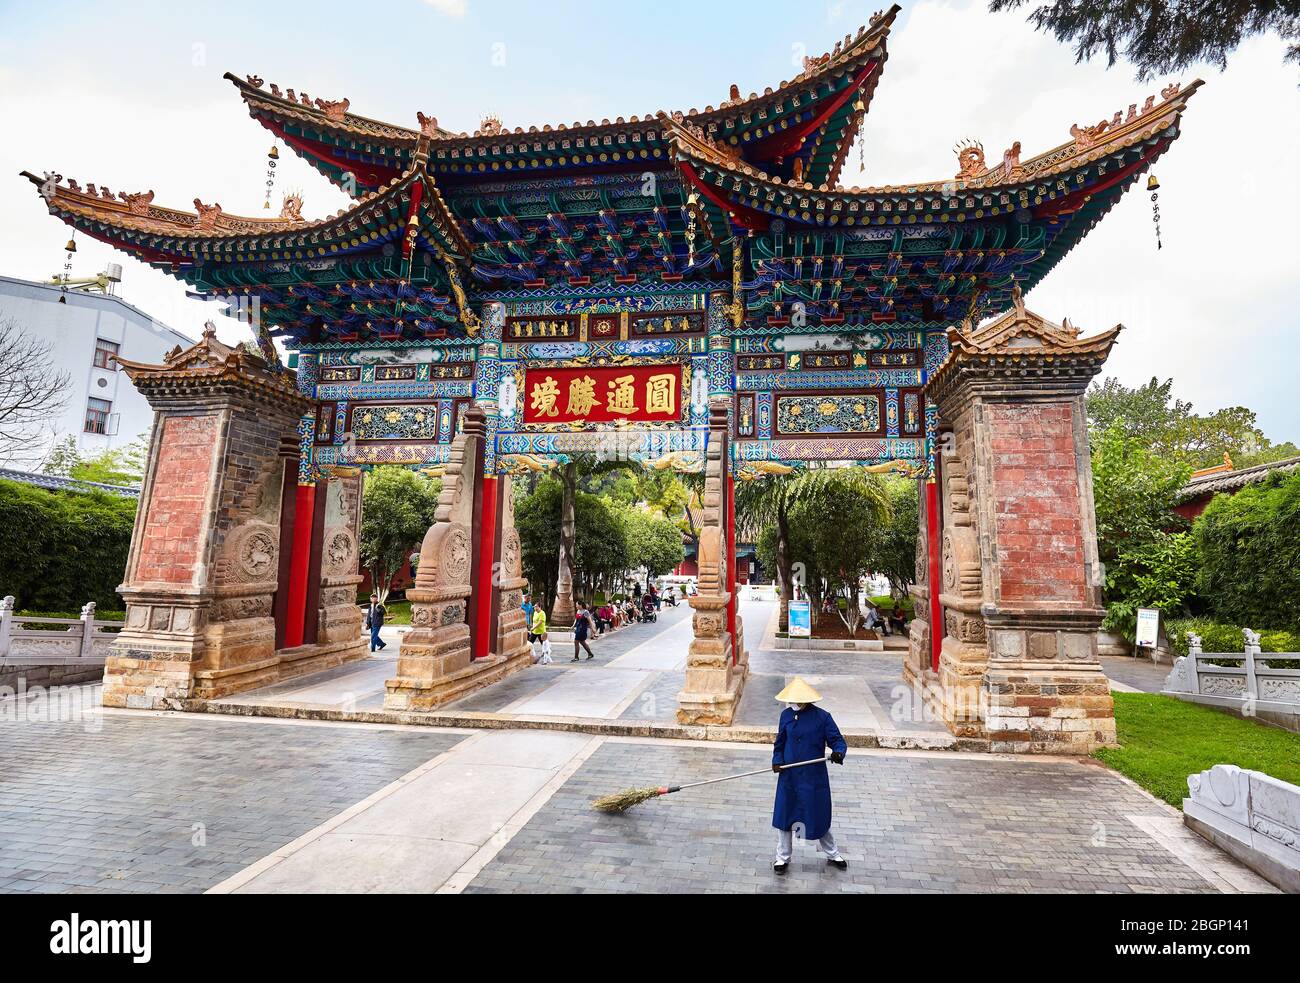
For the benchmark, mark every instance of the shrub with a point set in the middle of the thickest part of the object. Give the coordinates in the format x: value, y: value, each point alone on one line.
x: 1219, y: 637
x: 60, y: 549
x: 1250, y: 554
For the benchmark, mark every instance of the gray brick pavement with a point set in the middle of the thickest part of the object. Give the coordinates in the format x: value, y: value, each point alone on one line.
x: 905, y: 823
x: 115, y: 810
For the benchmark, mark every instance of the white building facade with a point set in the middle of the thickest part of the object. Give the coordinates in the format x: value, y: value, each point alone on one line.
x: 103, y: 410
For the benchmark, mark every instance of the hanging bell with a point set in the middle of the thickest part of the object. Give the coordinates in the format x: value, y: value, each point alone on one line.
x: 71, y: 247
x: 1152, y: 183
x: 274, y: 152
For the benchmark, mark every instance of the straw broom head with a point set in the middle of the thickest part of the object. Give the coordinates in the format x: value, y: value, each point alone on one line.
x: 626, y: 799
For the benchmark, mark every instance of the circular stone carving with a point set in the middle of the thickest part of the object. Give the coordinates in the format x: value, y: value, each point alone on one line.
x: 512, y: 554
x: 922, y: 561
x: 949, y: 564
x: 338, y: 551
x: 455, y: 555
x: 257, y: 555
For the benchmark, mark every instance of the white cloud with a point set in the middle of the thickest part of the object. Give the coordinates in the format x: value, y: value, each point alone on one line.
x: 1215, y: 307
x: 452, y: 8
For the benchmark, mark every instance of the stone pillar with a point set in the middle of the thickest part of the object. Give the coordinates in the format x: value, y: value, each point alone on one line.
x: 918, y: 661
x: 338, y: 616
x: 715, y: 671
x: 436, y: 664
x: 204, y: 560
x: 1022, y: 602
x: 510, y: 641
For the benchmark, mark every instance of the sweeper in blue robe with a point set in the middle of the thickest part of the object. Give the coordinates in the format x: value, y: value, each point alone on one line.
x: 803, y: 795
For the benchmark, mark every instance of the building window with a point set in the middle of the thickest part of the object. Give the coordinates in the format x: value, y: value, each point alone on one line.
x: 104, y: 350
x: 97, y: 411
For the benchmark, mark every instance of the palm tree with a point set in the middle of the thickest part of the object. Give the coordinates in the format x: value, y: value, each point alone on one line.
x: 772, y: 500
x: 579, y: 466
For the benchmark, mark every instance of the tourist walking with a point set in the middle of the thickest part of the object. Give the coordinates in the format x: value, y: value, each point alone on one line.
x: 537, y: 636
x: 374, y: 621
x: 803, y: 795
x: 581, y: 629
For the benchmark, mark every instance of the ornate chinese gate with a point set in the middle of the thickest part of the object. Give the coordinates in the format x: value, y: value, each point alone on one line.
x: 690, y: 290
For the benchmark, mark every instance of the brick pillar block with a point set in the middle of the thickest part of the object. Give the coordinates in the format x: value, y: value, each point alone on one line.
x: 202, y: 571
x: 1020, y: 594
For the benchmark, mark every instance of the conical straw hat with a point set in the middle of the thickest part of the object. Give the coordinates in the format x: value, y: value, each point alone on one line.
x: 798, y: 692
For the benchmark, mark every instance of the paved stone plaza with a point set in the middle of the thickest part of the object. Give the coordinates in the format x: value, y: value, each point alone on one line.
x: 117, y: 800
x: 150, y: 803
x: 297, y: 807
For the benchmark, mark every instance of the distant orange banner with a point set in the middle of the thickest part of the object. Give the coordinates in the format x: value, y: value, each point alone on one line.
x: 601, y: 395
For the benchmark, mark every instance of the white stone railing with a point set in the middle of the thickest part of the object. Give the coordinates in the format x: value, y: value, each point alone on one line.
x: 1252, y: 816
x: 67, y: 642
x: 1250, y: 683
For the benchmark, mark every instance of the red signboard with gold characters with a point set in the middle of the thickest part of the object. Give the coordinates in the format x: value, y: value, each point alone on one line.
x: 643, y: 393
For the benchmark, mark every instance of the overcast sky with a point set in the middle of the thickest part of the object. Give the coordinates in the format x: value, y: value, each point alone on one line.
x: 131, y: 95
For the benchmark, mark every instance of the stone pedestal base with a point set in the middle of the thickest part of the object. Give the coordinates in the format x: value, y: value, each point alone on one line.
x: 713, y: 682
x: 1049, y: 709
x: 961, y: 697
x: 410, y: 693
x: 140, y: 678
x: 143, y: 677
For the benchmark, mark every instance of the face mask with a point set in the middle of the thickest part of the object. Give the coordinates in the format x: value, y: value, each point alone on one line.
x: 796, y: 707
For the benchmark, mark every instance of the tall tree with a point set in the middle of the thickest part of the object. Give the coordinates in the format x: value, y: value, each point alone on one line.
x: 846, y: 516
x: 590, y: 469
x: 894, y: 557
x: 771, y: 501
x: 31, y: 394
x: 112, y: 466
x: 562, y: 612
x: 397, y: 509
x: 1153, y: 416
x: 1162, y: 36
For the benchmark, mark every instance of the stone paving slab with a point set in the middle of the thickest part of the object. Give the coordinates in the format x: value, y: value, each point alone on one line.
x: 659, y: 700
x: 176, y: 804
x: 1138, y: 674
x: 416, y: 836
x: 906, y: 823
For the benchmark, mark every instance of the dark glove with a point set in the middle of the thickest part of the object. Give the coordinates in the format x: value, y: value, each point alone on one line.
x: 837, y: 757
x: 776, y: 767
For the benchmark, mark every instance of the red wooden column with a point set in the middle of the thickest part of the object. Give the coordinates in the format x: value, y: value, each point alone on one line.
x: 311, y: 600
x: 935, y: 579
x: 288, y: 514
x: 484, y: 587
x: 729, y: 487
x: 304, y: 506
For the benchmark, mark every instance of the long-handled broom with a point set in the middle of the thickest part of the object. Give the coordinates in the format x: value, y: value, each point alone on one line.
x: 625, y: 800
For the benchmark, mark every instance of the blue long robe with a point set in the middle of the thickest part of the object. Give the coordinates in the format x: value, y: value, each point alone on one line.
x: 803, y: 795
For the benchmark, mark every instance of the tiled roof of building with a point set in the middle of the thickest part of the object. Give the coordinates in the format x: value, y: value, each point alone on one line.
x: 53, y: 483
x: 1224, y: 481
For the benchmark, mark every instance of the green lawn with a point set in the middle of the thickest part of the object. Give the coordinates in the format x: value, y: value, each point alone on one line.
x: 399, y: 613
x: 1163, y: 740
